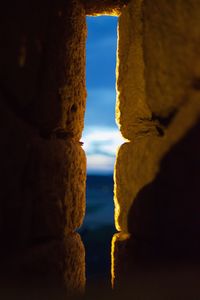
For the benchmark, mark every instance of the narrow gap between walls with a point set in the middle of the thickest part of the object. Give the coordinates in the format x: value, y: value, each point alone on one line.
x: 101, y: 138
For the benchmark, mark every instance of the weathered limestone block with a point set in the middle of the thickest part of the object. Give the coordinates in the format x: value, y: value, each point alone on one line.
x: 56, y: 179
x: 140, y: 271
x: 135, y: 167
x: 138, y: 162
x: 118, y: 251
x: 155, y: 71
x: 43, y: 167
x: 166, y: 211
x: 171, y: 39
x: 42, y: 62
x: 132, y: 112
x: 105, y: 7
x: 158, y: 110
x: 42, y: 183
x: 54, y: 264
x: 74, y: 267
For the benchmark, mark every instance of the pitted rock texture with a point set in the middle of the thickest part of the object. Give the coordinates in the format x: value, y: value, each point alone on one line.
x: 155, y: 72
x: 43, y: 166
x: 42, y: 61
x: 138, y: 161
x: 74, y: 265
x: 105, y: 7
x: 56, y: 180
x: 132, y: 112
x: 157, y: 109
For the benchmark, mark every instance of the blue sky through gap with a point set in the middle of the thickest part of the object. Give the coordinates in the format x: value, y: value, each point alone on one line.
x: 101, y: 136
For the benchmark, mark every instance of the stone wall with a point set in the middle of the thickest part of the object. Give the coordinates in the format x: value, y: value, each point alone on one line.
x: 158, y: 113
x: 105, y: 7
x: 158, y: 103
x: 42, y: 105
x: 43, y: 166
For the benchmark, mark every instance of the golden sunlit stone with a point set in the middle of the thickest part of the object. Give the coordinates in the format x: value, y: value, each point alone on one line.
x: 42, y: 103
x: 59, y: 169
x: 116, y: 240
x: 157, y: 102
x: 104, y: 7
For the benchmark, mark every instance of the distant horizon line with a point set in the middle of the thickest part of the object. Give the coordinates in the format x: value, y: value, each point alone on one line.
x: 99, y: 173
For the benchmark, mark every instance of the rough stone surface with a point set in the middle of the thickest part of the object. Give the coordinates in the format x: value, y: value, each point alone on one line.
x: 53, y: 265
x: 172, y: 66
x: 132, y: 112
x: 42, y: 201
x: 158, y: 110
x: 141, y: 271
x: 43, y: 166
x: 42, y: 180
x: 56, y: 180
x: 74, y: 267
x: 155, y: 71
x: 138, y: 161
x: 105, y: 7
x: 42, y: 104
x: 42, y: 61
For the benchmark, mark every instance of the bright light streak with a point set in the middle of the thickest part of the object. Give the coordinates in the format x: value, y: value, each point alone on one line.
x: 100, y: 145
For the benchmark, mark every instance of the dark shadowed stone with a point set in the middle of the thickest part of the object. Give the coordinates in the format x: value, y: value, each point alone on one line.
x: 166, y: 212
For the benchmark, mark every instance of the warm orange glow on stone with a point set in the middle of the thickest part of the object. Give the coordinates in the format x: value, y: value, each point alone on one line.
x: 138, y: 115
x: 117, y: 238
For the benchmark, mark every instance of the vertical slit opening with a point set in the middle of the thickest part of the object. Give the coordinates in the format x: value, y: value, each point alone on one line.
x: 101, y: 139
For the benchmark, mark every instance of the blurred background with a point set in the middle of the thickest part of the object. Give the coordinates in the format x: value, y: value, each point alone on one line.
x: 101, y: 139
